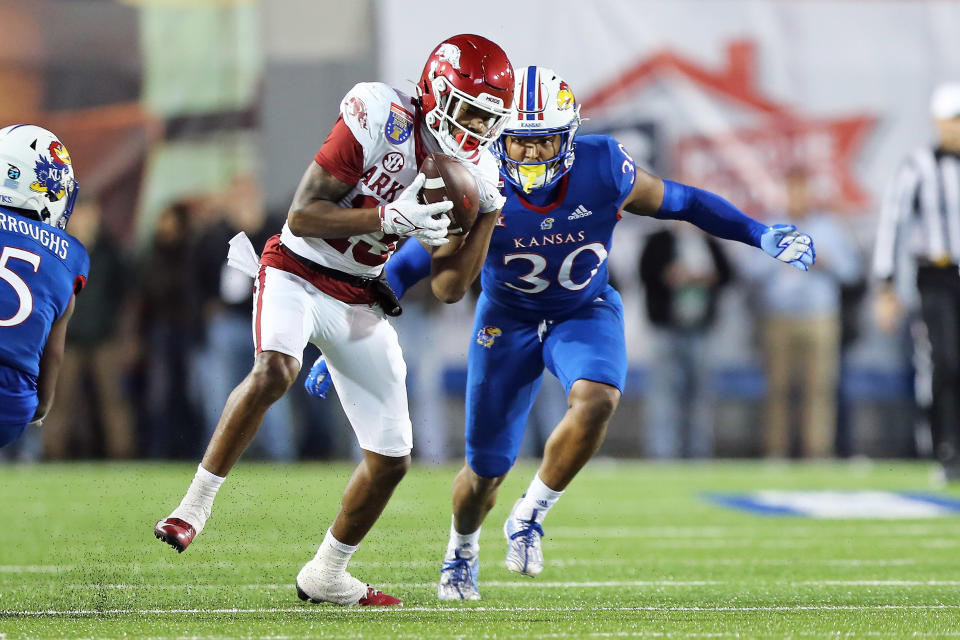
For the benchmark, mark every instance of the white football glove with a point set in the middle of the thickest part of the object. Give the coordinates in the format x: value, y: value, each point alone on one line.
x: 785, y: 243
x: 407, y: 217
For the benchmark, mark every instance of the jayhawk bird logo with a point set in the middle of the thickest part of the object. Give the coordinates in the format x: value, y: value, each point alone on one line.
x: 487, y: 335
x: 51, y: 172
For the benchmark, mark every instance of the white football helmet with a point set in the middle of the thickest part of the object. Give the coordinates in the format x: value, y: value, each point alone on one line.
x: 545, y: 105
x: 37, y: 174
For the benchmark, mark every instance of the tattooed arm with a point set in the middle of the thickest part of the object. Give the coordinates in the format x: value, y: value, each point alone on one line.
x: 315, y: 212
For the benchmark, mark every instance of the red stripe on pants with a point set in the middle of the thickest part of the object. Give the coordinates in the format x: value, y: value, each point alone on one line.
x: 261, y: 278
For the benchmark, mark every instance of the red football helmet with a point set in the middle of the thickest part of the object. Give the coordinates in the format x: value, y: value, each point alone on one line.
x: 466, y: 74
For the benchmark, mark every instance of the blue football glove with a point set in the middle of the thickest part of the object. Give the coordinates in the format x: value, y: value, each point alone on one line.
x: 785, y: 243
x: 318, y: 380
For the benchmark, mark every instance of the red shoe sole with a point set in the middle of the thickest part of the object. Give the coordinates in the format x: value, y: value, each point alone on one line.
x: 175, y: 532
x: 373, y: 598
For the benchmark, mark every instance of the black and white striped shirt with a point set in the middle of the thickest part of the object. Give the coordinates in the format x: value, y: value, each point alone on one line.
x: 921, y: 206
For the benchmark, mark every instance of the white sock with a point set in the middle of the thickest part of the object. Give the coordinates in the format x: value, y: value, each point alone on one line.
x: 463, y: 540
x: 334, y: 555
x: 537, y: 501
x: 198, y: 502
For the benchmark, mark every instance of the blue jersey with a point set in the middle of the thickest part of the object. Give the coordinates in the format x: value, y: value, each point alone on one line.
x: 41, y: 268
x: 547, y: 261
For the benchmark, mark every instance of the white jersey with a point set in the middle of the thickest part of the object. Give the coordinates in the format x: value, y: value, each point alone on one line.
x: 383, y: 121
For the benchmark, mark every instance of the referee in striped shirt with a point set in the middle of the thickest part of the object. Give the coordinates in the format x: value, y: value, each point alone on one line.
x: 920, y: 217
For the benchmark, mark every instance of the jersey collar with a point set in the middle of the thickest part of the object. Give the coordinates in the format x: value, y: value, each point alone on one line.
x: 560, y: 195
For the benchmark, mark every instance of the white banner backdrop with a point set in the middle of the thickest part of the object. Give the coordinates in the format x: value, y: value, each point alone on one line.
x: 723, y: 94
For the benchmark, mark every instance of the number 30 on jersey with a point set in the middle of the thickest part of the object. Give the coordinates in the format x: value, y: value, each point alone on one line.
x: 539, y: 265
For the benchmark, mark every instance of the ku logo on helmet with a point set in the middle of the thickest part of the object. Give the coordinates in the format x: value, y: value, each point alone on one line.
x: 487, y: 335
x: 565, y: 99
x: 51, y: 172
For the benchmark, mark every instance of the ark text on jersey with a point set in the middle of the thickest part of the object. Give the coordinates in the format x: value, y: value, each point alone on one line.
x: 383, y: 185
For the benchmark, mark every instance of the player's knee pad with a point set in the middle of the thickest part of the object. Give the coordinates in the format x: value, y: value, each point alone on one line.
x: 489, y: 464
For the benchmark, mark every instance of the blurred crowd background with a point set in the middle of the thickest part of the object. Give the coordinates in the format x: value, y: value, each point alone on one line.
x: 188, y: 121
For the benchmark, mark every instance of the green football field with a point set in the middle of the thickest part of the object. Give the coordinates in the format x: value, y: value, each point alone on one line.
x: 633, y: 550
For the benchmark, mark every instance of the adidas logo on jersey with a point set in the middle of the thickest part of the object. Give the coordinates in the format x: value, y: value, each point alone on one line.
x: 580, y: 212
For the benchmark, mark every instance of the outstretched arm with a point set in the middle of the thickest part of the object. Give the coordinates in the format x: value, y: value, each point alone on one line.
x: 670, y: 200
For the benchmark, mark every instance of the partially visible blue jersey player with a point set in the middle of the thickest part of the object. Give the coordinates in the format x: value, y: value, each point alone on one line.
x: 546, y: 302
x: 42, y: 269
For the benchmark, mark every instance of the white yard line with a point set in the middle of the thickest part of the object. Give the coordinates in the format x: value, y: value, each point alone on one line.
x: 525, y: 584
x: 35, y: 568
x: 584, y: 634
x: 567, y: 536
x: 880, y: 583
x: 764, y: 543
x: 883, y: 529
x: 529, y: 584
x: 460, y: 610
x: 558, y: 562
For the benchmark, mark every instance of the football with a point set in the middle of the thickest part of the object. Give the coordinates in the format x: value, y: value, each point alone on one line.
x: 448, y: 179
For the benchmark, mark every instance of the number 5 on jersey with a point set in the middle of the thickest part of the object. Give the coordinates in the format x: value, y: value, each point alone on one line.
x: 22, y: 289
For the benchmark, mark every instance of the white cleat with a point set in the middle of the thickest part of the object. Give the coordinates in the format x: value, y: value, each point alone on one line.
x: 316, y: 584
x: 524, y: 555
x: 459, y: 575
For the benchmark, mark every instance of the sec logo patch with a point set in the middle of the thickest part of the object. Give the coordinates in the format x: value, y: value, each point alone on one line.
x: 393, y: 161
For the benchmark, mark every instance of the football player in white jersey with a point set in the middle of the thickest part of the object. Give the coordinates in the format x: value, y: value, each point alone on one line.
x: 320, y: 281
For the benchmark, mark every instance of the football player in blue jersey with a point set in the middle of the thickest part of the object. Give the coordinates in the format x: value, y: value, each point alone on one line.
x: 546, y: 302
x: 42, y: 269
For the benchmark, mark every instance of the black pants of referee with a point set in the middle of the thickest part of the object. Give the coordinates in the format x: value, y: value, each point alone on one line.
x: 940, y: 305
